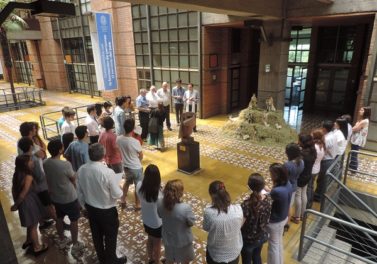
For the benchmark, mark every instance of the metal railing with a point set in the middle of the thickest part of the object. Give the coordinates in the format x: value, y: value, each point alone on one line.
x: 314, y: 239
x: 25, y: 97
x: 360, y: 170
x: 346, y: 206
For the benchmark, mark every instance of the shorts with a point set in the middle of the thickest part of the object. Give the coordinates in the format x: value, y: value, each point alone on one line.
x: 117, y: 167
x: 155, y: 232
x: 72, y: 210
x: 133, y: 176
x: 44, y: 197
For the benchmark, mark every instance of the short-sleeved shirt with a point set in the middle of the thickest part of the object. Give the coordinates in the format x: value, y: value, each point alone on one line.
x: 281, y: 199
x: 294, y: 171
x: 341, y: 141
x: 320, y: 154
x: 331, y: 146
x: 224, y: 241
x: 59, y: 174
x: 77, y: 153
x: 119, y: 117
x: 255, y: 224
x: 61, y: 121
x: 149, y: 209
x: 141, y: 101
x: 129, y: 148
x: 92, y: 125
x: 112, y: 153
x: 67, y: 127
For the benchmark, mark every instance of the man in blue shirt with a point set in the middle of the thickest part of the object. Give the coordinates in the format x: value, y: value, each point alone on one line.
x: 142, y: 105
x: 177, y: 94
x: 77, y: 152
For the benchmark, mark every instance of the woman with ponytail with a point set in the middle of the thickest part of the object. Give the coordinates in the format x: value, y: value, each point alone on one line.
x: 177, y: 220
x: 256, y: 211
x: 223, y: 222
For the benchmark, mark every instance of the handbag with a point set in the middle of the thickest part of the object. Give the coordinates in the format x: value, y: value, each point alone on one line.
x: 153, y: 125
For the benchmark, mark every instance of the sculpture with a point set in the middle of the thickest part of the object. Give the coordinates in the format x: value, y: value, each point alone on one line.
x: 270, y: 104
x: 188, y: 122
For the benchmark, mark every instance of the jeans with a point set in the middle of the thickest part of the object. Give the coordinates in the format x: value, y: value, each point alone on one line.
x: 354, y: 159
x: 310, y: 191
x: 104, y: 225
x: 301, y: 200
x: 178, y: 112
x: 251, y: 252
x: 275, y: 254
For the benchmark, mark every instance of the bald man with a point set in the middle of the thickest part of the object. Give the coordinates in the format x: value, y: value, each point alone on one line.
x: 164, y: 94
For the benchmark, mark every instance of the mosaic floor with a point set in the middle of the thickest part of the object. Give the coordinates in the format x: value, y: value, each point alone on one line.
x: 224, y: 158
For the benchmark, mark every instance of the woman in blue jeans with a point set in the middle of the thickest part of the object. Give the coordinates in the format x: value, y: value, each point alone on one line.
x: 256, y: 211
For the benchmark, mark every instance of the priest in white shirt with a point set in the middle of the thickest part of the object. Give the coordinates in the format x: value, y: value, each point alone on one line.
x: 92, y: 124
x: 191, y: 98
x: 165, y: 96
x: 152, y: 97
x: 98, y: 191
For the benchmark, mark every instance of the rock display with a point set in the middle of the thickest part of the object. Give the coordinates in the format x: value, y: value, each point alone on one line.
x: 257, y: 125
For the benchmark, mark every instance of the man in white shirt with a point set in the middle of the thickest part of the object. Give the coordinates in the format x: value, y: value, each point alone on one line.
x: 144, y: 111
x: 132, y: 154
x: 92, y: 124
x: 68, y: 126
x: 98, y: 191
x: 164, y: 94
x: 191, y: 98
x: 330, y: 155
x: 152, y: 97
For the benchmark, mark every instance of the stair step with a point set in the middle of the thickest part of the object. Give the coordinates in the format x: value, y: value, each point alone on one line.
x: 336, y: 257
x: 317, y: 252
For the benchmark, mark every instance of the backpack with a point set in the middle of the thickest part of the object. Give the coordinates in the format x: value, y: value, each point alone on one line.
x: 153, y: 125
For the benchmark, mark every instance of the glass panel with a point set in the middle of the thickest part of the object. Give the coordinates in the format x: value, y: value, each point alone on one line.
x: 173, y: 34
x: 165, y: 61
x: 194, y: 78
x: 157, y: 60
x: 163, y: 22
x: 154, y: 23
x: 183, y: 48
x: 153, y: 10
x: 140, y: 74
x: 156, y: 48
x: 172, y: 10
x: 182, y: 20
x: 305, y: 56
x: 165, y: 75
x: 173, y: 47
x: 162, y: 10
x: 145, y: 37
x: 164, y: 35
x: 194, y: 61
x: 183, y: 61
x: 137, y: 25
x: 184, y: 76
x: 145, y: 49
x: 193, y: 47
x: 139, y: 49
x: 174, y: 61
x: 183, y: 34
x: 139, y: 60
x: 174, y: 77
x: 155, y: 36
x: 135, y: 11
x: 147, y: 74
x: 146, y: 60
x: 164, y: 48
x: 143, y: 11
x: 193, y: 19
x: 143, y: 24
x: 172, y: 21
x: 193, y: 34
x: 157, y: 75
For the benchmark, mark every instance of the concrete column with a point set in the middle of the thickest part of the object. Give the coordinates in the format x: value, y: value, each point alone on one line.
x: 7, y: 254
x: 275, y: 54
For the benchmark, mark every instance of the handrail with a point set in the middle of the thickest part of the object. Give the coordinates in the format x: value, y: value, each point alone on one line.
x: 337, y: 220
x: 359, y: 172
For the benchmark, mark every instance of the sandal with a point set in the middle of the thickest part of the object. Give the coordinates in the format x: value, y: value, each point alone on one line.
x: 43, y: 249
x: 26, y: 244
x: 295, y: 220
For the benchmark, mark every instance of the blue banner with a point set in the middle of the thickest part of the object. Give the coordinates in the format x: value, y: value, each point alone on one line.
x: 106, y: 52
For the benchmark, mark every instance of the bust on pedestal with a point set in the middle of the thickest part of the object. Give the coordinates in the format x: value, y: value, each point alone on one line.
x: 188, y: 149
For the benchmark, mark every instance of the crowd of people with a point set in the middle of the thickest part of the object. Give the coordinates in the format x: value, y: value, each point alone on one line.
x: 109, y: 147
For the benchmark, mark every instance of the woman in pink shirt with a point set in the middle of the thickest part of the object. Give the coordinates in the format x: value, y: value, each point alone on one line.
x: 113, y: 158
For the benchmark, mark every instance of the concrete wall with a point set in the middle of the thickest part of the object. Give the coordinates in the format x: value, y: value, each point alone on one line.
x: 123, y: 46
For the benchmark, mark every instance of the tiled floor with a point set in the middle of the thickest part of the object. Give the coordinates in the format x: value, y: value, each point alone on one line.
x: 224, y: 158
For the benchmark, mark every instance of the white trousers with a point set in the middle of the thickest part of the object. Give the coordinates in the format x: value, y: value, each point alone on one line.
x: 301, y: 199
x: 275, y: 254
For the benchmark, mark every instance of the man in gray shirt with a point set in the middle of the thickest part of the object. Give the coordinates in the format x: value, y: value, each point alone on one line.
x: 61, y: 181
x: 177, y: 94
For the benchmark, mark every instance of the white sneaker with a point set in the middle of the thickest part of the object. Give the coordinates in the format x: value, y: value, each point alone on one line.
x: 63, y: 243
x: 77, y: 248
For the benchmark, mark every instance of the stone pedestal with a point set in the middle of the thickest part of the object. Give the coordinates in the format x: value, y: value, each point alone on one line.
x: 188, y: 156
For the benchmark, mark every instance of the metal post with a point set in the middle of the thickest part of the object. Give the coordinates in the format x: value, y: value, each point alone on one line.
x: 303, y: 227
x: 150, y: 43
x: 62, y: 49
x: 200, y: 59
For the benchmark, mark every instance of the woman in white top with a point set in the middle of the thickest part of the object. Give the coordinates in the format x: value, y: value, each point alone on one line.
x: 223, y: 222
x: 149, y: 192
x: 359, y: 134
x: 341, y: 134
x: 320, y: 147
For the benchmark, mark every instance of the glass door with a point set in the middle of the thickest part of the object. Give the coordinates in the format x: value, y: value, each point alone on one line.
x: 235, y: 88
